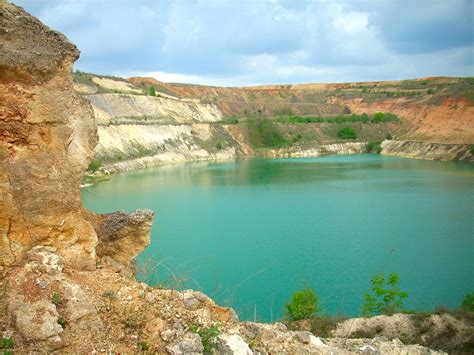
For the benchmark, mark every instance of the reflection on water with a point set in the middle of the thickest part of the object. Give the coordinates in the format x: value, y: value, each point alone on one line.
x: 252, y: 231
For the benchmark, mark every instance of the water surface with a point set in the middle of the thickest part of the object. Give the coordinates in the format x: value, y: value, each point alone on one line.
x: 249, y: 233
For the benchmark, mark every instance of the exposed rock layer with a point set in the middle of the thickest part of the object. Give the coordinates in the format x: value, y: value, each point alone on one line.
x: 47, y: 137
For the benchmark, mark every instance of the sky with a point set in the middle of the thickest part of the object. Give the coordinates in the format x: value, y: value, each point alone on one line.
x: 252, y: 42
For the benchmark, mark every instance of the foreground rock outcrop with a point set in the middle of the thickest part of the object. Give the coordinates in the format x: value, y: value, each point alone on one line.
x: 47, y: 137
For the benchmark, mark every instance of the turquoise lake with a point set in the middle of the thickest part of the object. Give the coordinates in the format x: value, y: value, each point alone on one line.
x: 249, y: 233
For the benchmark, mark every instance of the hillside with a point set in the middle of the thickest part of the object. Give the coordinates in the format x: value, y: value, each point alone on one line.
x: 429, y: 118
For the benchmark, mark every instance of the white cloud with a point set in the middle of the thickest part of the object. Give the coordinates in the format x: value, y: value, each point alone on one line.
x: 256, y: 42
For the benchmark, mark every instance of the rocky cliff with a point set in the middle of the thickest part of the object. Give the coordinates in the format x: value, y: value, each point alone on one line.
x: 194, y: 122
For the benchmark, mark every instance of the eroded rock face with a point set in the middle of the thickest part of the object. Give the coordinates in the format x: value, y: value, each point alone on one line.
x: 47, y: 135
x: 122, y: 236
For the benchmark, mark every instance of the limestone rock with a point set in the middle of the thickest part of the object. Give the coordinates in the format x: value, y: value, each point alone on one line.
x: 190, y: 343
x: 233, y: 344
x: 38, y: 322
x: 122, y: 236
x: 45, y: 260
x: 47, y: 134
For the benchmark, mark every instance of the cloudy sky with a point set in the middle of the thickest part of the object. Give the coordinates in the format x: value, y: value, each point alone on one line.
x: 246, y: 42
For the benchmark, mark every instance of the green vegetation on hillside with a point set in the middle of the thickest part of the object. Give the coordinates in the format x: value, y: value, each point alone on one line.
x: 152, y: 91
x: 347, y: 133
x: 376, y: 118
x: 264, y: 133
x: 374, y: 147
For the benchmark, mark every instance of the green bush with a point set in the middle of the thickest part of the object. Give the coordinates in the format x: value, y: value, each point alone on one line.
x: 467, y: 303
x: 94, y: 165
x: 388, y: 136
x: 347, y: 133
x: 152, y: 91
x: 219, y: 145
x: 430, y: 91
x: 303, y: 304
x: 379, y: 117
x: 374, y: 147
x: 384, y: 296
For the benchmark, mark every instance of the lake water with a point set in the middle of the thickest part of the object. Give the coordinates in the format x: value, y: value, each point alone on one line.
x: 251, y: 232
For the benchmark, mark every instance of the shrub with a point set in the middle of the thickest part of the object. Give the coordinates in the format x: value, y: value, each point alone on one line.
x: 152, y: 91
x: 303, y: 304
x: 384, y: 296
x: 379, y: 117
x: 374, y: 147
x: 430, y: 91
x: 56, y: 299
x: 219, y: 145
x: 94, y: 165
x: 347, y: 133
x: 467, y: 303
x: 388, y: 136
x: 208, y: 336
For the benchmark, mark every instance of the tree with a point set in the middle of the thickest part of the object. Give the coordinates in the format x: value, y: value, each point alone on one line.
x: 303, y: 304
x: 152, y: 91
x: 384, y: 296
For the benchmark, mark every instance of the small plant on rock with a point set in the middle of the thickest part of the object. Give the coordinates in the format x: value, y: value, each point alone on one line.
x: 467, y: 303
x: 208, y: 336
x: 94, y: 165
x: 384, y: 296
x: 143, y: 346
x: 56, y: 299
x: 62, y: 322
x: 303, y: 304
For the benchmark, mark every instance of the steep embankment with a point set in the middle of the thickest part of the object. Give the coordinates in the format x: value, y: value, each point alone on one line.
x: 194, y: 122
